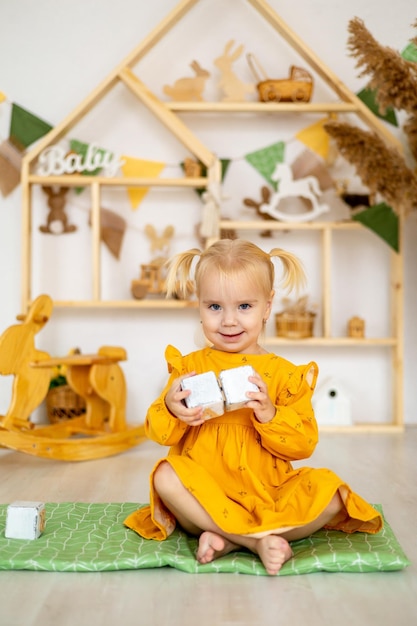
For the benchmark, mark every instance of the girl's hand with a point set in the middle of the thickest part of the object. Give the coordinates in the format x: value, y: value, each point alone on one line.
x: 260, y: 402
x: 175, y: 402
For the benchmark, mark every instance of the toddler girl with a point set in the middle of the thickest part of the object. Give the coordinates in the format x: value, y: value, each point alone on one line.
x: 229, y: 480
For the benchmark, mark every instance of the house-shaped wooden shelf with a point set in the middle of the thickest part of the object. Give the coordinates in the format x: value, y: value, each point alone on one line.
x: 124, y: 74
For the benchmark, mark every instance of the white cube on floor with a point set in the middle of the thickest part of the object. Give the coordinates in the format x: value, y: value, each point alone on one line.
x: 205, y: 392
x: 25, y: 520
x: 235, y: 384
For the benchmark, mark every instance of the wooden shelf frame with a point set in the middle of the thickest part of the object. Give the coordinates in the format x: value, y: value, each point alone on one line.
x: 345, y: 102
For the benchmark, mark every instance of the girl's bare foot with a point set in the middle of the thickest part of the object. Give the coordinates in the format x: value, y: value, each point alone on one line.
x: 273, y: 551
x: 211, y: 546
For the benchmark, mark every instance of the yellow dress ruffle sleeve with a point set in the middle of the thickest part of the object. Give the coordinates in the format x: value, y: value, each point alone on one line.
x: 240, y: 470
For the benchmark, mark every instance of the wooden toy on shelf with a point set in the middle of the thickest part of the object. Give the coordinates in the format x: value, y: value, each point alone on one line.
x: 356, y: 327
x: 192, y: 168
x: 306, y: 188
x: 189, y: 88
x: 298, y: 87
x: 152, y: 280
x: 57, y: 220
x: 296, y: 320
x: 99, y: 432
x: 233, y: 88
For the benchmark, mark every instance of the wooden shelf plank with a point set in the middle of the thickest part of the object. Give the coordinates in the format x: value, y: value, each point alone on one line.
x: 146, y: 303
x: 357, y: 428
x: 275, y: 225
x: 262, y: 107
x: 73, y: 180
x: 333, y: 341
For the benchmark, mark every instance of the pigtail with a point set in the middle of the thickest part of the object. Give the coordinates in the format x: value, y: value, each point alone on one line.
x: 294, y: 274
x: 177, y: 282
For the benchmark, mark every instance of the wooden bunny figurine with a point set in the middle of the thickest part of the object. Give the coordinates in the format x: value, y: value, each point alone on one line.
x: 189, y: 88
x: 57, y: 220
x: 160, y: 243
x: 233, y: 88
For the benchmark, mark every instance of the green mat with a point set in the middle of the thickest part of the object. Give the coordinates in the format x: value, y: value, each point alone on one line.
x: 82, y: 537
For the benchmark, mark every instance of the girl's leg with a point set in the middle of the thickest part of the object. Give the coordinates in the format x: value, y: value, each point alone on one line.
x: 273, y: 550
x: 334, y: 508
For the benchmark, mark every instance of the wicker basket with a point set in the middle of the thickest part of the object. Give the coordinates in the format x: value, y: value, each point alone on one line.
x: 62, y: 403
x: 294, y: 325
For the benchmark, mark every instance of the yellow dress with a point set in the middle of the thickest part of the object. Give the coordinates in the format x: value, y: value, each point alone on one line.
x: 240, y: 470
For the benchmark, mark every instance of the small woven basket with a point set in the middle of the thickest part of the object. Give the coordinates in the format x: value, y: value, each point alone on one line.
x: 62, y: 403
x: 294, y: 325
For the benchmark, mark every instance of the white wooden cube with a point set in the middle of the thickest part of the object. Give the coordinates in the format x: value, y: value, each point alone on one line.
x: 235, y: 384
x: 25, y: 520
x: 205, y: 392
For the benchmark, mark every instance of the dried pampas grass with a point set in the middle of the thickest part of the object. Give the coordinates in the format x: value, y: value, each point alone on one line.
x: 380, y: 167
x: 393, y: 78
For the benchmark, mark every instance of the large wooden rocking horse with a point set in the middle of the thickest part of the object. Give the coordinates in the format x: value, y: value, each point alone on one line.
x: 98, y: 378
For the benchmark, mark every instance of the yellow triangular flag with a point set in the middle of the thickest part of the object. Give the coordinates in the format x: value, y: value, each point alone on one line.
x: 316, y: 138
x: 143, y: 169
x: 2, y: 96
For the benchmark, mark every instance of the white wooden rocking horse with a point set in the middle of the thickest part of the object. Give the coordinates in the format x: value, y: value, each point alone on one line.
x: 307, y: 188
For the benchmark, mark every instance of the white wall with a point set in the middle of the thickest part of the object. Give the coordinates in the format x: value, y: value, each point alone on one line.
x: 54, y: 53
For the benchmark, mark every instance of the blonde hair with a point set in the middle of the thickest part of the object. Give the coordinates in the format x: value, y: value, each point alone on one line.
x: 231, y: 257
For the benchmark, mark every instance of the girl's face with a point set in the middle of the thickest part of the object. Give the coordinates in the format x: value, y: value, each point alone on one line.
x: 233, y: 312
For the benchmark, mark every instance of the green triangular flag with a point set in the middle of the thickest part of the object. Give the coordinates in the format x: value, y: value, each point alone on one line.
x: 26, y: 128
x: 410, y: 53
x: 265, y: 160
x: 224, y: 163
x: 383, y: 221
x: 368, y: 97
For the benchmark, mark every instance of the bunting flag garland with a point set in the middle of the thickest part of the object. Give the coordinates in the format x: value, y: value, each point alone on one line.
x: 383, y: 221
x: 26, y: 128
x: 140, y: 168
x: 2, y: 96
x: 368, y: 97
x: 265, y: 160
x: 316, y: 138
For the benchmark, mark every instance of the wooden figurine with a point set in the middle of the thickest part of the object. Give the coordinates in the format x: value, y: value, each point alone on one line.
x: 306, y: 188
x: 151, y: 279
x: 232, y: 87
x: 356, y: 327
x: 57, y: 220
x: 189, y: 89
x: 192, y: 169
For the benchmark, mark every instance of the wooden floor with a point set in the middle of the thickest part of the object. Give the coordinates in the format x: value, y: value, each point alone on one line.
x: 381, y: 467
